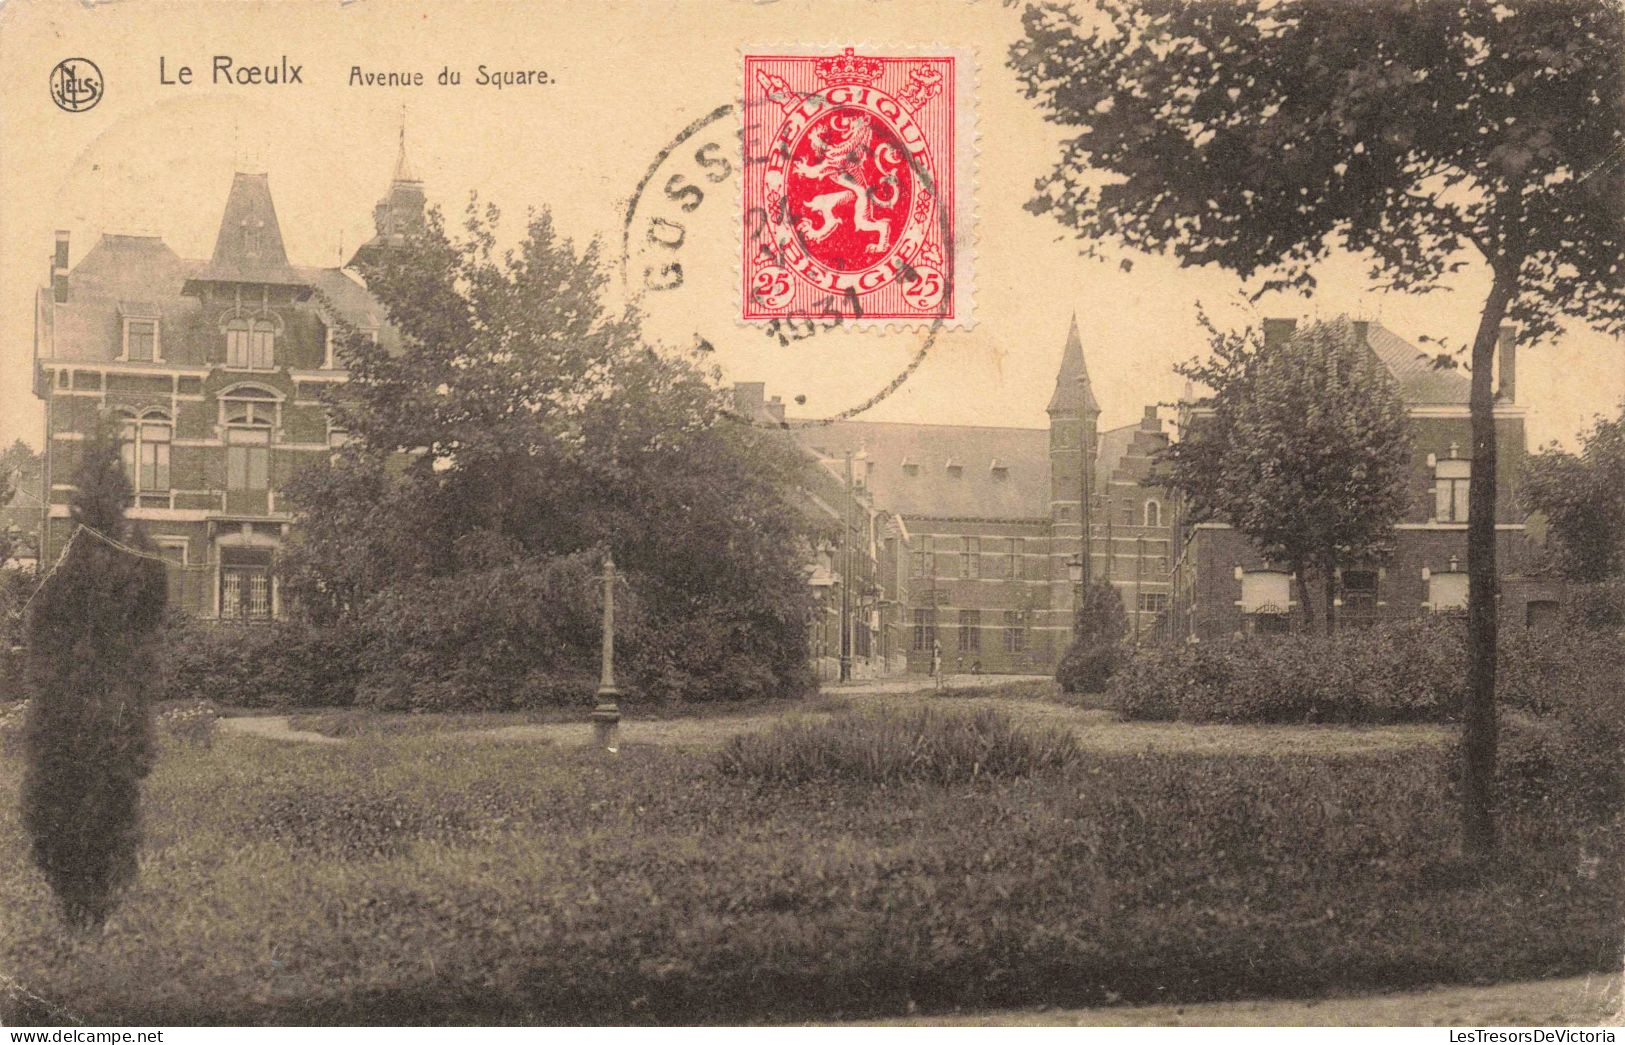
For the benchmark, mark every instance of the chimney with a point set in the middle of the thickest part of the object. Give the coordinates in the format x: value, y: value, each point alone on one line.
x: 775, y: 409
x: 1509, y: 366
x: 1278, y: 330
x: 1362, y: 328
x: 748, y: 399
x: 59, y: 268
x: 1150, y: 422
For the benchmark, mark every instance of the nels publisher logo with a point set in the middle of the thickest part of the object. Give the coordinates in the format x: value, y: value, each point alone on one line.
x: 76, y: 84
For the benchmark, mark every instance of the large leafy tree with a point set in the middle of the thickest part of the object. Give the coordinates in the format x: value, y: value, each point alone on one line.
x: 1583, y: 499
x: 1303, y: 446
x: 89, y: 733
x: 519, y: 420
x: 1258, y: 135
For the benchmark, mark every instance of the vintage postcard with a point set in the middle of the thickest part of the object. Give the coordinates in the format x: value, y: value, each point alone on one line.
x: 914, y: 512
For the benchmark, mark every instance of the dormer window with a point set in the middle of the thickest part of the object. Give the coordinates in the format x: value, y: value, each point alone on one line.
x: 1000, y: 471
x: 141, y: 340
x: 955, y: 469
x: 911, y: 466
x: 139, y: 331
x: 250, y: 344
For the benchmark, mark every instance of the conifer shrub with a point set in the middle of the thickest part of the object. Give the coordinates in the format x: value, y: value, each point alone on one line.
x: 88, y: 736
x: 1097, y: 648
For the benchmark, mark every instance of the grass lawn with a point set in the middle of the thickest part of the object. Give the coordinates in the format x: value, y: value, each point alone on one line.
x: 362, y: 722
x: 406, y: 879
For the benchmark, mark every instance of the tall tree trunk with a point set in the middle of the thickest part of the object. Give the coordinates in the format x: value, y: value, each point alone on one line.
x: 1301, y: 570
x: 1329, y: 580
x: 1478, y: 725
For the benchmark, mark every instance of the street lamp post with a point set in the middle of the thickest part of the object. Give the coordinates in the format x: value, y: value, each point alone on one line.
x: 606, y: 716
x: 847, y: 560
x: 1075, y: 570
x: 1139, y: 559
x: 1085, y: 519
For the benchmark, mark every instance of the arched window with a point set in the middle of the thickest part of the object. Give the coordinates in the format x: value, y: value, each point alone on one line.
x: 145, y: 448
x: 251, y: 344
x: 1153, y: 513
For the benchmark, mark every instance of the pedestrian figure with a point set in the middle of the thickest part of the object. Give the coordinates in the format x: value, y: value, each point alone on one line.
x: 936, y: 661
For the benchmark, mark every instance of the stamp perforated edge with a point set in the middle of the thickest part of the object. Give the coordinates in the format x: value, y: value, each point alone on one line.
x: 967, y: 181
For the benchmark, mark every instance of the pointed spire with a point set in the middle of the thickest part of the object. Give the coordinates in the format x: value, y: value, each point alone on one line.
x: 1072, y: 386
x: 248, y: 247
x: 400, y: 213
x: 403, y: 169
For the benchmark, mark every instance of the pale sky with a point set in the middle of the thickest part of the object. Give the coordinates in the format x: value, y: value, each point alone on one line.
x: 628, y: 77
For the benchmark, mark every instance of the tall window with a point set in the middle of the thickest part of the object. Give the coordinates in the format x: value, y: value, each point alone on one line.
x: 250, y: 344
x: 1450, y: 490
x: 145, y: 448
x: 970, y: 631
x: 249, y: 414
x: 141, y: 340
x: 1015, y: 631
x: 970, y: 558
x: 1153, y: 513
x: 925, y: 630
x: 1014, y: 571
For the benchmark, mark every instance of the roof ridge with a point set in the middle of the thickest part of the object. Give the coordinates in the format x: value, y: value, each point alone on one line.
x: 916, y: 424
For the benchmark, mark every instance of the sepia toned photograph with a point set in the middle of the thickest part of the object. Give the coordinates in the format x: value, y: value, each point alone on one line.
x: 845, y: 514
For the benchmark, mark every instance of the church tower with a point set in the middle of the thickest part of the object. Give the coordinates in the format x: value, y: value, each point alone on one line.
x: 1074, y: 420
x: 399, y: 214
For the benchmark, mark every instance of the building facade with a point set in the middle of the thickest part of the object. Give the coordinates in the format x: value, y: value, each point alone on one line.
x: 1224, y: 587
x: 993, y: 518
x: 947, y: 540
x: 214, y: 371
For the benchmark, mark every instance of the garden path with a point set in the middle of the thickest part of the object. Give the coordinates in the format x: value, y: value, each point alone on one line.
x: 272, y: 727
x: 1577, y: 1001
x: 1096, y: 729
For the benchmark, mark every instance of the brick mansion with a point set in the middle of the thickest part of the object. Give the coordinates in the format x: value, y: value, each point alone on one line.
x: 951, y: 540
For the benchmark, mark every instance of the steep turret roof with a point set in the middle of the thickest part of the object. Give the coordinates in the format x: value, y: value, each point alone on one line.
x: 1072, y: 386
x: 248, y: 247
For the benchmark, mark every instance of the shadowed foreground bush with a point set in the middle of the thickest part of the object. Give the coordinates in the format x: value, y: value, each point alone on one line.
x: 892, y: 747
x: 418, y: 881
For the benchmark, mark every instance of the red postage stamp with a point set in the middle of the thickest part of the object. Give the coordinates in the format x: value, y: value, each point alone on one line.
x: 850, y: 194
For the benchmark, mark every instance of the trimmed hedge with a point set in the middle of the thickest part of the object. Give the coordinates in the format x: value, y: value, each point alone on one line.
x: 1414, y: 671
x: 281, y: 664
x: 891, y: 747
